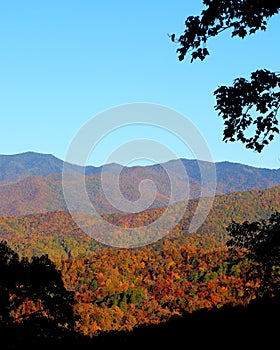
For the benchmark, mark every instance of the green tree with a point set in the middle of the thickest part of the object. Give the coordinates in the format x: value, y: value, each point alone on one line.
x: 248, y: 107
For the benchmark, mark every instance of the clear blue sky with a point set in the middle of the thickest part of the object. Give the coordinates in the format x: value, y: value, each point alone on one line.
x: 62, y: 62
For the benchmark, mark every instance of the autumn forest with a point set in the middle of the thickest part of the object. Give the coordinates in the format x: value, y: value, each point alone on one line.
x: 54, y: 272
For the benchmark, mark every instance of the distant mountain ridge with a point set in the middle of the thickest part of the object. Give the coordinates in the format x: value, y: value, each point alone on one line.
x: 32, y: 182
x: 18, y: 166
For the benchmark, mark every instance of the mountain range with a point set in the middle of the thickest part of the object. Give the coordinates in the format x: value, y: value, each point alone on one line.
x: 32, y: 182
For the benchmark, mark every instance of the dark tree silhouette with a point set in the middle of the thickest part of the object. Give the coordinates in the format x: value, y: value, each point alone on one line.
x: 33, y: 291
x: 9, y: 274
x: 261, y: 240
x: 248, y: 106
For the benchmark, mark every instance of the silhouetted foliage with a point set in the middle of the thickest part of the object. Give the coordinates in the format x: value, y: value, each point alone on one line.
x: 246, y: 104
x: 234, y: 104
x: 261, y: 239
x: 32, y: 291
x: 9, y: 274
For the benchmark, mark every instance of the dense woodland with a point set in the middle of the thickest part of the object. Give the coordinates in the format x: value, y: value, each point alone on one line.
x: 122, y: 289
x: 56, y: 234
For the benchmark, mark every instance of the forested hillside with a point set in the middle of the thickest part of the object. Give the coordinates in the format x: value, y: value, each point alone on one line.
x: 56, y: 233
x: 120, y: 289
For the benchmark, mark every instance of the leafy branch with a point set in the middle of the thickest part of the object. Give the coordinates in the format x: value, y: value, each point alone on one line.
x: 234, y: 104
x: 243, y: 17
x: 247, y: 107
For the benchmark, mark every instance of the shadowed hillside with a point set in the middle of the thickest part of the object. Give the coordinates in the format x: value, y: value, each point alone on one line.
x: 242, y: 327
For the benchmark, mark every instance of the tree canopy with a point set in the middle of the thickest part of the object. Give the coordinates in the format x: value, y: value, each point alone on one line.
x: 248, y: 107
x: 261, y: 240
x: 33, y: 289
